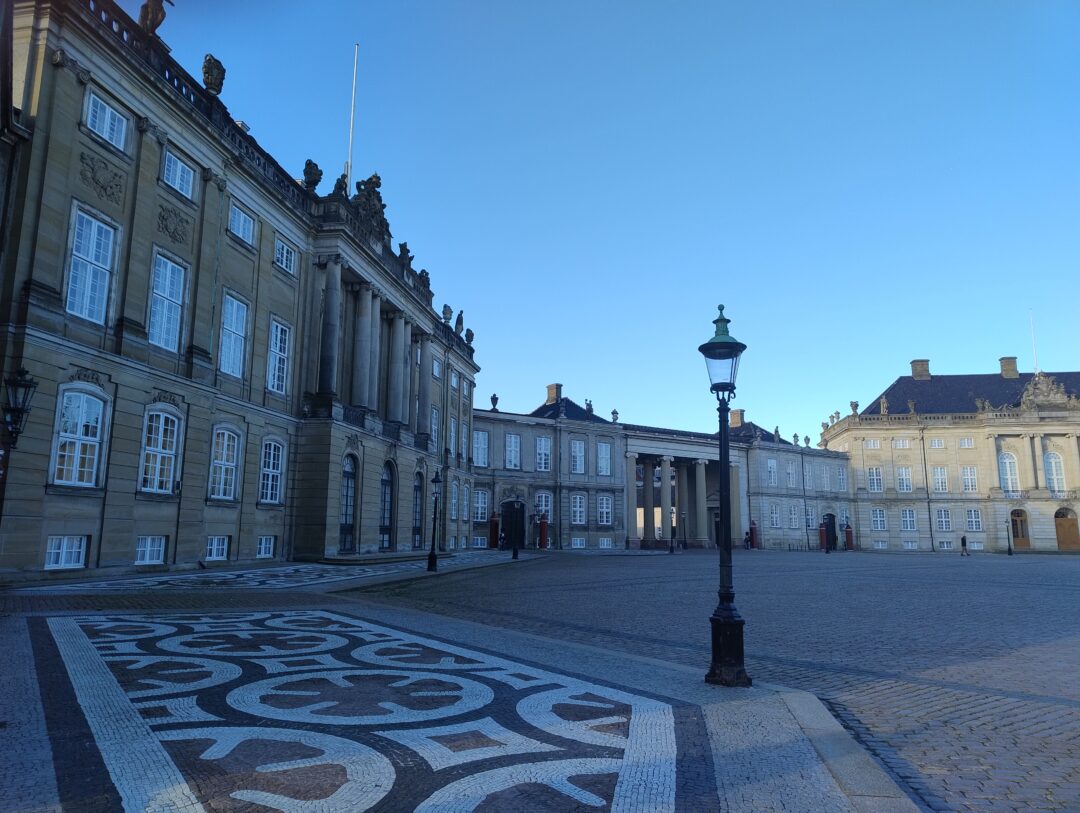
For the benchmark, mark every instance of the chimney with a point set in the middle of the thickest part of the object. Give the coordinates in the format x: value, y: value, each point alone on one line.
x: 920, y: 369
x: 554, y: 394
x: 1008, y: 367
x: 737, y: 416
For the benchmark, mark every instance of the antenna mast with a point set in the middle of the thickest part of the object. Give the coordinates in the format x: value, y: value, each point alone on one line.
x: 352, y: 118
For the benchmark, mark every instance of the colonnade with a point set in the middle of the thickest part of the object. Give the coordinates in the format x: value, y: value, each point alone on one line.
x: 688, y: 498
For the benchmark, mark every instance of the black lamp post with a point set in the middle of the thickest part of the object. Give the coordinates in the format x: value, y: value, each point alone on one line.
x: 433, y: 559
x: 671, y: 542
x: 682, y: 528
x: 18, y: 391
x: 721, y: 354
x: 1008, y: 535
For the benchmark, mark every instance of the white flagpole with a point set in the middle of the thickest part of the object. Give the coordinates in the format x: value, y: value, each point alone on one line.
x: 352, y: 119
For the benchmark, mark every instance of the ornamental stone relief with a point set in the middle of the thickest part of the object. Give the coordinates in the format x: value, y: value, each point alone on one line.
x: 173, y: 224
x: 106, y: 182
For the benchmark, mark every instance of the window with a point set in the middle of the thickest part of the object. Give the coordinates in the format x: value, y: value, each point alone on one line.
x: 824, y: 477
x: 907, y: 519
x: 452, y: 444
x: 974, y: 519
x: 265, y: 547
x: 880, y: 544
x: 1010, y: 479
x: 78, y: 444
x: 974, y: 545
x: 233, y: 330
x: 480, y: 506
x: 217, y: 548
x: 841, y: 478
x: 1055, y: 472
x: 845, y: 517
x: 242, y: 224
x: 150, y: 550
x: 454, y: 379
x: 903, y: 478
x: 106, y: 121
x: 941, y: 479
x: 770, y: 472
x: 347, y: 505
x: 543, y: 504
x: 577, y: 509
x: 937, y: 443
x: 603, y: 509
x: 273, y: 454
x: 161, y: 439
x: 605, y: 542
x: 436, y: 368
x: 91, y: 267
x: 967, y: 443
x: 577, y: 457
x: 901, y: 443
x: 386, y: 508
x: 435, y: 426
x: 791, y: 479
x: 284, y: 256
x: 603, y: 459
x: 418, y: 511
x: 453, y: 499
x: 577, y: 542
x: 969, y: 478
x: 872, y: 443
x: 513, y: 451
x: 452, y: 543
x: 793, y: 516
x: 808, y: 475
x: 166, y: 303
x: 480, y: 447
x: 223, y: 464
x: 911, y: 544
x: 277, y: 361
x: 466, y: 389
x: 65, y: 552
x: 873, y: 478
x: 543, y: 454
x: 774, y: 515
x: 178, y: 174
x: 944, y: 519
x: 464, y: 439
x: 877, y: 519
x: 811, y: 517
x: 465, y: 504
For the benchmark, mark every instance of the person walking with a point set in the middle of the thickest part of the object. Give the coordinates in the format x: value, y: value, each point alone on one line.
x: 963, y: 546
x: 746, y: 541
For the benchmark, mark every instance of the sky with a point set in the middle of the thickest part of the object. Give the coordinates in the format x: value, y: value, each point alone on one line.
x: 860, y: 182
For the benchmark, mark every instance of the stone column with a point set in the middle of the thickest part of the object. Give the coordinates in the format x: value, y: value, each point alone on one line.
x: 394, y: 366
x: 423, y: 418
x: 406, y: 373
x: 374, y: 351
x: 361, y: 340
x: 991, y: 442
x: 414, y: 383
x: 1026, y: 466
x: 632, y: 538
x: 1040, y: 472
x: 665, y: 497
x: 331, y: 328
x: 648, y: 526
x: 701, y: 514
x: 682, y: 501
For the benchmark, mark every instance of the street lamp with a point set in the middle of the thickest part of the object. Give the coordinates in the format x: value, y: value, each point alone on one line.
x: 721, y: 354
x: 18, y: 391
x: 1008, y: 536
x: 433, y: 559
x: 671, y: 542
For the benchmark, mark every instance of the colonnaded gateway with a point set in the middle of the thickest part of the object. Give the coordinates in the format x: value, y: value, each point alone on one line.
x: 229, y: 365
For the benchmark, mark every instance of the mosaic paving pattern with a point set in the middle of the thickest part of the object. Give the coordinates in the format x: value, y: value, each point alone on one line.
x: 316, y: 711
x: 267, y: 578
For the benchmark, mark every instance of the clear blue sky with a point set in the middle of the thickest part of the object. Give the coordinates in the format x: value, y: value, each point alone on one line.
x: 860, y: 183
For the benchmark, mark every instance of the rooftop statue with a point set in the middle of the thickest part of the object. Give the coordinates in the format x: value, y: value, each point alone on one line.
x: 459, y: 323
x: 152, y: 15
x: 213, y: 73
x: 312, y: 175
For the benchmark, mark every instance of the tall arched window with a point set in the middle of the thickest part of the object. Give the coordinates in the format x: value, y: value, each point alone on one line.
x: 386, y: 508
x: 80, y: 436
x: 224, y: 464
x: 1055, y: 472
x: 161, y: 442
x: 453, y: 499
x: 418, y: 511
x: 1010, y: 479
x: 347, y: 505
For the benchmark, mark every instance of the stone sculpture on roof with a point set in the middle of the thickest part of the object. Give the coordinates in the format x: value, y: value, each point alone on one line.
x: 368, y: 200
x: 152, y: 15
x: 312, y: 175
x: 213, y: 74
x: 1044, y: 391
x: 459, y: 323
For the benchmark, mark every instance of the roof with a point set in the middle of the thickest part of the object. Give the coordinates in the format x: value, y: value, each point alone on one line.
x: 941, y: 394
x: 741, y: 434
x: 571, y: 411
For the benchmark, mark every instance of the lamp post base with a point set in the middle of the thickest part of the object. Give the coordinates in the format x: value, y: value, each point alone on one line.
x: 727, y: 667
x: 432, y: 562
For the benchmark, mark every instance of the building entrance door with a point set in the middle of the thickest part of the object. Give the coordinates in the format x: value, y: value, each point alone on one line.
x: 512, y: 526
x: 1021, y: 540
x: 1068, y: 532
x: 830, y: 530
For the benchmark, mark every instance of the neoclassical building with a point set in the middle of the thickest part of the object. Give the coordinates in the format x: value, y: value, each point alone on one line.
x: 994, y: 457
x: 230, y: 365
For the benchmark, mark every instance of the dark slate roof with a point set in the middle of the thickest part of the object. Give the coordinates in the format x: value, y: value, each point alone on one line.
x: 571, y: 411
x: 942, y: 394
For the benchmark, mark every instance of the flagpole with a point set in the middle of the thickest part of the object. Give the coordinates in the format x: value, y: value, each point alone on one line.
x: 352, y: 118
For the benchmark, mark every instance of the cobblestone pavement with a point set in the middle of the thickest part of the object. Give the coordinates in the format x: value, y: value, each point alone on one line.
x: 962, y: 675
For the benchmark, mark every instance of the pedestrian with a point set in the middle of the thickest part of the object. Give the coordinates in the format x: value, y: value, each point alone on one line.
x: 746, y: 541
x: 963, y: 546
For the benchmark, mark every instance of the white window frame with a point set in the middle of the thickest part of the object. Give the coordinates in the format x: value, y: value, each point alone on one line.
x: 1008, y: 473
x: 937, y: 443
x: 940, y: 475
x: 272, y: 472
x: 603, y: 458
x: 872, y: 443
x: 577, y: 542
x: 65, y: 552
x: 808, y: 475
x: 974, y: 519
x: 901, y: 443
x: 578, y: 509
x: 604, y: 512
x: 265, y: 546
x: 480, y: 448
x: 970, y: 478
x: 811, y: 516
x: 903, y: 479
x: 435, y: 426
x: 465, y: 437
x: 605, y: 542
x: 479, y: 541
x: 159, y: 460
x: 480, y: 505
x: 453, y: 499
x: 178, y: 174
x: 774, y: 515
x: 110, y: 117
x: 81, y: 443
x: 907, y: 520
x: 874, y: 480
x: 225, y: 469
x: 279, y: 348
x: 881, y: 544
x: 241, y: 223
x: 770, y: 472
x: 943, y: 518
x: 792, y: 478
x: 542, y: 502
x: 454, y: 379
x: 967, y: 443
x: 841, y: 478
x: 234, y: 314
x: 1054, y: 471
x: 166, y: 302
x: 543, y: 453
x: 911, y: 544
x: 793, y: 516
x: 90, y: 265
x: 577, y: 457
x: 217, y: 548
x: 824, y: 477
x: 150, y: 550
x: 512, y: 451
x: 879, y: 521
x: 436, y: 368
x: 452, y: 436
x: 285, y: 256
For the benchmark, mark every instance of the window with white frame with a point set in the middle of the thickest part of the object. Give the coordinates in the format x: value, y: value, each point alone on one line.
x: 465, y: 504
x: 901, y: 443
x: 881, y: 544
x: 543, y: 453
x: 969, y: 478
x: 105, y: 120
x: 903, y: 478
x: 873, y: 478
x: 265, y: 547
x: 577, y: 457
x: 872, y: 443
x: 271, y: 471
x: 480, y: 505
x: 770, y: 472
x: 605, y: 542
x: 284, y: 256
x: 479, y: 542
x: 974, y: 519
x: 454, y: 379
x: 967, y: 443
x: 225, y: 455
x: 944, y: 519
x: 452, y: 439
x: 79, y: 438
x: 808, y: 475
x: 941, y: 479
x: 1055, y: 472
x: 466, y: 389
x: 811, y: 517
x: 603, y: 509
x: 90, y: 271
x: 975, y: 545
x: 1010, y: 478
x: 603, y: 459
x: 512, y: 451
x: 577, y: 509
x: 577, y: 542
x: 217, y: 548
x: 233, y: 331
x: 792, y: 481
x: 242, y: 224
x: 774, y: 515
x: 824, y: 477
x: 907, y: 519
x: 845, y: 517
x: 911, y: 544
x: 453, y: 499
x: 436, y: 368
x: 63, y: 552
x: 877, y: 519
x: 841, y: 478
x: 465, y: 436
x: 435, y: 426
x: 178, y: 174
x: 150, y: 550
x: 543, y: 504
x: 166, y: 303
x: 161, y: 442
x: 937, y: 443
x: 480, y: 447
x: 452, y: 542
x: 277, y: 359
x: 793, y: 516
